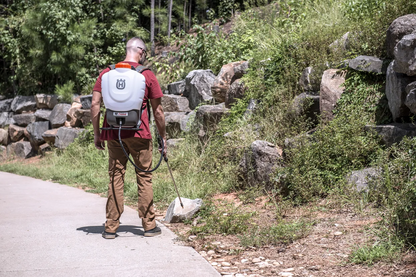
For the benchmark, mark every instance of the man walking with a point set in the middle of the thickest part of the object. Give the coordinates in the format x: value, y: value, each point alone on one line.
x: 137, y: 143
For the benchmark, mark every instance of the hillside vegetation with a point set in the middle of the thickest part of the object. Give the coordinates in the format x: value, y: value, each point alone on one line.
x: 280, y: 40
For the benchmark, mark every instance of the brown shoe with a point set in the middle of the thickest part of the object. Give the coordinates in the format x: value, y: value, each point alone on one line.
x: 153, y: 232
x: 107, y: 235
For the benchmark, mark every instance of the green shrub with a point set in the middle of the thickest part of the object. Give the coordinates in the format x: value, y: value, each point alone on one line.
x: 396, y: 191
x: 372, y: 18
x: 320, y: 165
x: 65, y: 92
x: 365, y: 96
x: 211, y: 50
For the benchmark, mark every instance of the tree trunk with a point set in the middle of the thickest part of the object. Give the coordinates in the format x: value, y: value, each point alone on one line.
x: 101, y: 10
x: 184, y: 15
x: 170, y: 19
x: 158, y: 29
x: 189, y: 14
x: 152, y: 27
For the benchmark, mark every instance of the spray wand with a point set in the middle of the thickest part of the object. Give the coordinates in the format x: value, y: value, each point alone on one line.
x: 165, y: 157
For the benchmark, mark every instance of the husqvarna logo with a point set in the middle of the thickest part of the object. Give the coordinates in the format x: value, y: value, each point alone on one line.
x: 121, y: 83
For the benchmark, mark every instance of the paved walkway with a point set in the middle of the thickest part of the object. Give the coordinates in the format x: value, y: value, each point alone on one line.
x: 48, y: 229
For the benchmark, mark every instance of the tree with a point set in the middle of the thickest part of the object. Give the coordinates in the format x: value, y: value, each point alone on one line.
x: 152, y: 27
x: 170, y: 19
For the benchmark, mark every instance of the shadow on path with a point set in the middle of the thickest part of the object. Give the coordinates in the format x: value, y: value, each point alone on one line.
x: 135, y: 230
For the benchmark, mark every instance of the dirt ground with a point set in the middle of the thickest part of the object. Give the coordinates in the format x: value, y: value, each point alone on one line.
x: 323, y: 252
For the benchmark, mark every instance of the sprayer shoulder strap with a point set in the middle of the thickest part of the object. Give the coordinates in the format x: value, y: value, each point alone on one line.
x: 141, y: 68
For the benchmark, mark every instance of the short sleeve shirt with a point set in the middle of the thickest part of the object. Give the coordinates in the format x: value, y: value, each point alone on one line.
x: 152, y: 91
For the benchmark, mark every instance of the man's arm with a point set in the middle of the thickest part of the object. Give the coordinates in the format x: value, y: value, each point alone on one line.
x: 95, y: 118
x: 159, y: 119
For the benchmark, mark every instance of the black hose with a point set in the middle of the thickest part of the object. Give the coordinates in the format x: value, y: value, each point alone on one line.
x: 127, y: 155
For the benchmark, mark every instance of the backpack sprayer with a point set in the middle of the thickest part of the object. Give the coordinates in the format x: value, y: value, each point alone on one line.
x: 123, y: 90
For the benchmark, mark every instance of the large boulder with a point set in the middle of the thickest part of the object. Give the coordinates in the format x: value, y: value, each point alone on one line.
x: 306, y: 104
x: 236, y: 91
x: 24, y: 119
x: 42, y: 115
x: 16, y: 133
x: 209, y: 115
x: 58, y: 115
x: 70, y: 115
x: 49, y: 136
x: 362, y: 179
x: 84, y: 116
x: 46, y: 101
x: 405, y: 55
x: 10, y: 149
x: 228, y: 74
x: 394, y: 132
x: 331, y: 91
x: 23, y: 104
x: 176, y: 213
x: 368, y: 64
x: 65, y: 136
x: 396, y: 84
x: 400, y: 27
x: 6, y: 119
x: 23, y: 149
x: 177, y: 88
x: 260, y: 162
x: 173, y: 123
x: 198, y: 87
x: 175, y: 103
x: 6, y: 105
x: 410, y: 101
x: 4, y: 137
x: 86, y: 101
x: 36, y: 131
x: 342, y: 44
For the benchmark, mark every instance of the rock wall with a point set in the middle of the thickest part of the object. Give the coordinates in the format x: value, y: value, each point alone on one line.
x: 30, y: 124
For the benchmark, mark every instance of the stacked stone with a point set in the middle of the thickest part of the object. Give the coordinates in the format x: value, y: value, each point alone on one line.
x: 201, y: 88
x: 401, y: 73
x: 35, y: 123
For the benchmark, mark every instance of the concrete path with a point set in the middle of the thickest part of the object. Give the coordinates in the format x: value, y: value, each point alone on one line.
x: 48, y: 229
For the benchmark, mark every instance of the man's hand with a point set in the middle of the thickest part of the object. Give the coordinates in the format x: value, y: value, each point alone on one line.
x: 165, y: 150
x: 99, y: 144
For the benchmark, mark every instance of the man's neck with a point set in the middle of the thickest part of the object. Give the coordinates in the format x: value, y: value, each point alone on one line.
x: 131, y: 59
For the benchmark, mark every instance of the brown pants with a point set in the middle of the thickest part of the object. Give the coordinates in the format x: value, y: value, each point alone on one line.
x: 141, y: 151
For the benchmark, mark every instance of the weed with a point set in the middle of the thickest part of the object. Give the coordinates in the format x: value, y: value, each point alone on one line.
x: 227, y: 220
x: 281, y: 233
x: 384, y: 250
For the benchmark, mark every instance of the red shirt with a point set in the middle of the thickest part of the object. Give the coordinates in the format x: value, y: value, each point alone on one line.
x: 152, y: 91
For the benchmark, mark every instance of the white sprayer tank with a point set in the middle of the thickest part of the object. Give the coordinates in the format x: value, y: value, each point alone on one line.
x: 123, y: 90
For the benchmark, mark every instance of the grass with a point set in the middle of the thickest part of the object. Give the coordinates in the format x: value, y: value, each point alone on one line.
x: 280, y: 233
x: 83, y: 165
x: 284, y: 38
x: 222, y: 219
x: 378, y: 251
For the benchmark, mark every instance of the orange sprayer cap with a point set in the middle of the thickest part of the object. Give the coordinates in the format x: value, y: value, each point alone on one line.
x: 123, y: 65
